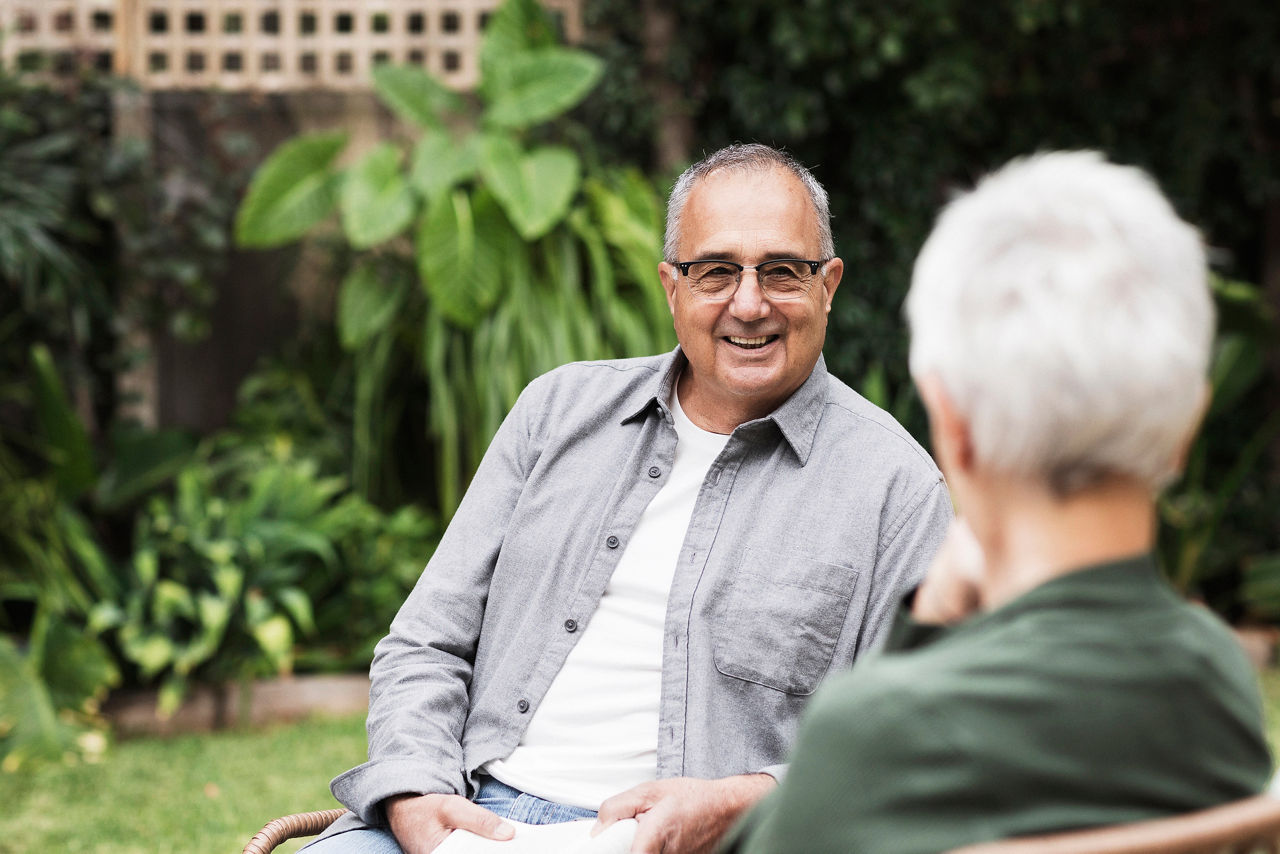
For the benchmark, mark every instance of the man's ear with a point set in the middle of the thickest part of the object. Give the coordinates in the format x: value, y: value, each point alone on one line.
x: 670, y: 278
x: 831, y: 281
x: 952, y: 441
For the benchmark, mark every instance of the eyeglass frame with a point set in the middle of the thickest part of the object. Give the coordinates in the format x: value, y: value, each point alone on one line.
x: 683, y: 267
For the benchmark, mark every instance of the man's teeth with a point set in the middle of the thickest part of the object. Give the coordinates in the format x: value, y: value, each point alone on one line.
x: 750, y: 342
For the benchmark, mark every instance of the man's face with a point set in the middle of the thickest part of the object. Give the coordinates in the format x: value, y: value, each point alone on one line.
x: 747, y: 354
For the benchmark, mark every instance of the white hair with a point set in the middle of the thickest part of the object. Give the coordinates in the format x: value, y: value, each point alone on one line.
x: 745, y: 157
x: 1065, y: 309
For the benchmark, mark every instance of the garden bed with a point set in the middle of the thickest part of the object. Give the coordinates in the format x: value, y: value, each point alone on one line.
x: 269, y: 701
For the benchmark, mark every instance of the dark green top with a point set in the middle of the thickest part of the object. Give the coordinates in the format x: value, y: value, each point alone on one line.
x: 1099, y: 697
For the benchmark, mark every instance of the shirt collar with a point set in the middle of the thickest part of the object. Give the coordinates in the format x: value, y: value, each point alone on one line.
x: 797, y: 418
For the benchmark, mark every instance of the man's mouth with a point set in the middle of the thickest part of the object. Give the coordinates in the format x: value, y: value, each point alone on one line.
x: 750, y: 343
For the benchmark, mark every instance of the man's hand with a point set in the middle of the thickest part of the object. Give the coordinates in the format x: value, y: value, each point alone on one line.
x: 421, y: 822
x: 683, y: 815
x: 952, y: 587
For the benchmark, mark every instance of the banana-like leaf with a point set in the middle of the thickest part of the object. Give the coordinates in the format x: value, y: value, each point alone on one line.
x: 440, y: 163
x: 415, y: 95
x: 376, y: 201
x: 367, y: 303
x: 1237, y: 365
x: 460, y: 248
x: 535, y: 189
x: 292, y: 191
x: 68, y: 443
x: 517, y: 26
x: 541, y: 84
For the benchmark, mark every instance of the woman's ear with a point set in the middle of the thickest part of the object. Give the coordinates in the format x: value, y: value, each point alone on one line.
x: 952, y: 442
x: 1184, y: 450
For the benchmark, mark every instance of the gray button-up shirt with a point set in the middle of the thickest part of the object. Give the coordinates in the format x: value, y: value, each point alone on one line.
x: 810, y: 526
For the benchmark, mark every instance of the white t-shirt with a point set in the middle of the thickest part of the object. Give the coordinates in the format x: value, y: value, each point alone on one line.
x: 595, y: 733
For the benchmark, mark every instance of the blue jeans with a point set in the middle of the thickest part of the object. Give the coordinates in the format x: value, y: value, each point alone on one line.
x: 497, y: 798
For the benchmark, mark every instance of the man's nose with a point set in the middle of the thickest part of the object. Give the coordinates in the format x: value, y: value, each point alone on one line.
x: 749, y: 302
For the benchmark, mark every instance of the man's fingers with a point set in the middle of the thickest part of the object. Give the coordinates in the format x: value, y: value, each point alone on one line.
x: 650, y: 838
x: 420, y: 823
x: 461, y: 814
x: 627, y: 804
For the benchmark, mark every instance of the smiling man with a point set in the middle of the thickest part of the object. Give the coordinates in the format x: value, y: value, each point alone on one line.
x: 659, y: 559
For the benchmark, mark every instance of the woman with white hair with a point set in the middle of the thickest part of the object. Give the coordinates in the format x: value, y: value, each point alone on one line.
x: 1044, y: 677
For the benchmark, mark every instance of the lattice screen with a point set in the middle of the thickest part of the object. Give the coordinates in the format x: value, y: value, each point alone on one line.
x: 254, y: 44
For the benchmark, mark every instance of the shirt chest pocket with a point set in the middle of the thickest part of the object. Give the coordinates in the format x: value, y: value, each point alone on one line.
x: 778, y: 623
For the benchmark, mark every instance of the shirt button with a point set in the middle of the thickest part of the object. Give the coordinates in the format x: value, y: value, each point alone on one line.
x: 612, y: 542
x: 654, y: 471
x: 522, y: 706
x: 570, y: 626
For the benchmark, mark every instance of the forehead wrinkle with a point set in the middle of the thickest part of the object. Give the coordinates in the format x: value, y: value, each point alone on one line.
x: 719, y: 250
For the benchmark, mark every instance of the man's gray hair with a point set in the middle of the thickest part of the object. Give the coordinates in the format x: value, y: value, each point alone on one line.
x: 1065, y: 309
x: 750, y: 157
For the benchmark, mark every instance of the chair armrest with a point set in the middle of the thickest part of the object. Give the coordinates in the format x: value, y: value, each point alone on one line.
x: 290, y: 826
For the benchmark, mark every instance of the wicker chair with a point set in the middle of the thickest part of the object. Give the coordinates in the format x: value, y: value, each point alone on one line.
x: 1250, y: 826
x: 290, y: 827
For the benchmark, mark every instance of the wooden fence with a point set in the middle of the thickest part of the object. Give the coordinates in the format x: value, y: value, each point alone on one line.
x: 259, y: 45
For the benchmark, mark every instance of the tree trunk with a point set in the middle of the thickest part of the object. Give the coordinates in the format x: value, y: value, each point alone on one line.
x: 673, y: 137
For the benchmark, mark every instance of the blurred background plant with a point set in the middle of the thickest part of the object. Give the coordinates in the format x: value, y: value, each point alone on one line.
x: 484, y: 251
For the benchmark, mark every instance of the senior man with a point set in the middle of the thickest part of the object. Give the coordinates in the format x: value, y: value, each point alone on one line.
x: 658, y: 560
x: 1047, y: 677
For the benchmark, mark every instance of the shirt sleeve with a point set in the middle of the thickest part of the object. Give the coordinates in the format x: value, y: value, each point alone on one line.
x: 421, y: 671
x: 866, y: 758
x: 907, y: 547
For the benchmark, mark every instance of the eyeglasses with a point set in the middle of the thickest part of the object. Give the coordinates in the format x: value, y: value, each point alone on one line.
x: 780, y: 279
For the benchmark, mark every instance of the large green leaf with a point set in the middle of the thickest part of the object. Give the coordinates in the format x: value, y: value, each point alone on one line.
x: 141, y: 460
x: 1238, y: 362
x: 460, y: 249
x: 542, y: 84
x: 535, y: 188
x: 517, y: 26
x: 75, y: 666
x: 298, y: 604
x: 30, y: 726
x: 292, y: 191
x: 439, y: 163
x: 414, y: 94
x: 377, y: 203
x: 275, y: 638
x: 68, y: 443
x: 367, y: 302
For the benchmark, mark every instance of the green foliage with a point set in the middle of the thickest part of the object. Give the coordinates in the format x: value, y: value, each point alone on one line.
x: 52, y: 570
x: 226, y: 574
x: 518, y: 257
x: 1200, y: 548
x: 295, y: 189
x: 895, y: 105
x: 540, y: 85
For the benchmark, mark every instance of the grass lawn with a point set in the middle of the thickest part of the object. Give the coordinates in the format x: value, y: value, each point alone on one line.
x: 200, y: 794
x: 208, y: 794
